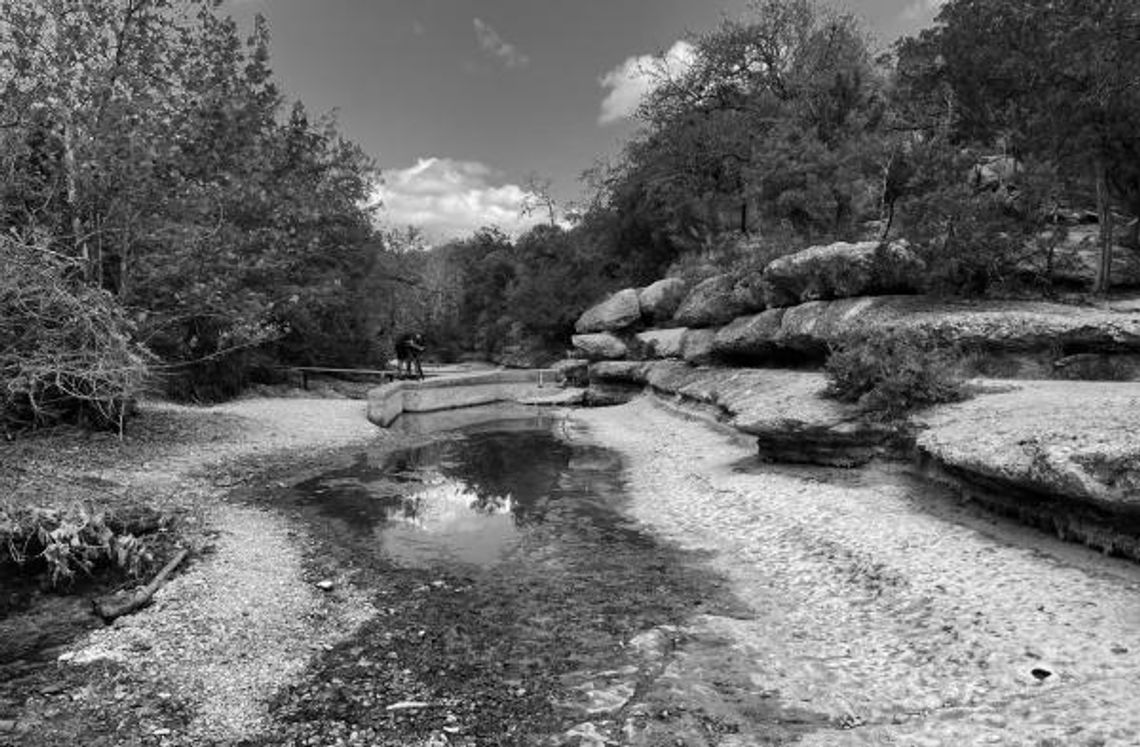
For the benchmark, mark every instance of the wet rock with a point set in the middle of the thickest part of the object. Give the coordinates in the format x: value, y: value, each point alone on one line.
x: 653, y: 645
x: 712, y: 303
x: 619, y: 311
x: 660, y: 300
x: 601, y: 346
x: 631, y: 372
x: 588, y: 735
x: 842, y: 270
x: 573, y: 371
x: 605, y: 699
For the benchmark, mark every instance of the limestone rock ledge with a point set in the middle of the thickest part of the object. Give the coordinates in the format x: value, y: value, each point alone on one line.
x: 1070, y: 440
x: 1061, y: 455
x: 784, y: 410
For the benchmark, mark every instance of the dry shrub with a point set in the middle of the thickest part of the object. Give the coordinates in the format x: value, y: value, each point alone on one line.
x: 891, y: 373
x: 65, y: 348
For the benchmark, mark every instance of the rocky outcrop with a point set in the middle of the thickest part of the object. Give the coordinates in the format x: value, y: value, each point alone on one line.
x: 601, y: 346
x: 619, y: 311
x: 1062, y: 455
x: 1074, y: 439
x: 660, y: 300
x: 1023, y: 338
x: 574, y: 371
x: 663, y: 343
x: 750, y: 337
x: 784, y: 410
x: 717, y: 300
x: 842, y: 270
x: 697, y: 346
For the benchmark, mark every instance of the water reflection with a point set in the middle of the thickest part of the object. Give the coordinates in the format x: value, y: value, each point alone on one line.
x: 470, y: 499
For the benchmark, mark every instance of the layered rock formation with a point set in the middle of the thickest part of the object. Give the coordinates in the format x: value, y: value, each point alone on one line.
x: 1061, y: 454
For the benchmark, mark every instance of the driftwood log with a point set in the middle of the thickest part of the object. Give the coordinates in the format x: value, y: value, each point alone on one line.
x: 110, y: 609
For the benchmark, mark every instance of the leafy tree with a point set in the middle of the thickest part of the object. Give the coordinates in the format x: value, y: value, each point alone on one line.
x: 1055, y: 81
x: 772, y: 123
x: 149, y: 141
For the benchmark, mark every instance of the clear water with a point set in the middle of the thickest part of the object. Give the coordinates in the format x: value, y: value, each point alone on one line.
x: 474, y: 498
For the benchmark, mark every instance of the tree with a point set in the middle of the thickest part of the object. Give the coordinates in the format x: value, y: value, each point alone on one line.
x: 149, y: 141
x: 1056, y: 81
x: 774, y: 124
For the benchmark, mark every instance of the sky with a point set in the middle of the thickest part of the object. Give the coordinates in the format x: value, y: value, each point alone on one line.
x: 462, y: 102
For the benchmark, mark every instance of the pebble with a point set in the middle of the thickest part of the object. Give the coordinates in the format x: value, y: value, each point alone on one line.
x: 326, y: 585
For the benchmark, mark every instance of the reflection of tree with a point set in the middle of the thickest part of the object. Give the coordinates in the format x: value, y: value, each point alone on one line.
x: 485, y: 503
x: 519, y: 469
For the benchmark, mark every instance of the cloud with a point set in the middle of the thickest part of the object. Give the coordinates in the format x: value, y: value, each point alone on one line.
x: 448, y: 199
x: 629, y: 82
x: 493, y: 44
x: 922, y: 9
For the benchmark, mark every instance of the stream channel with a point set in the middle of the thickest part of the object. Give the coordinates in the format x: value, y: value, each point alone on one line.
x: 516, y: 604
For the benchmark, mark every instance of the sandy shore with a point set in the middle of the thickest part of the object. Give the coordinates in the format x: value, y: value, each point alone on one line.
x: 902, y: 618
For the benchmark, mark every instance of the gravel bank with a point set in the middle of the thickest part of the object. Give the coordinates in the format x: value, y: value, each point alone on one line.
x: 903, y: 619
x: 243, y: 619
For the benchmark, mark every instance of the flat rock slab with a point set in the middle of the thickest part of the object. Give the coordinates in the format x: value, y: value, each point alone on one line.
x: 785, y: 410
x: 1070, y: 439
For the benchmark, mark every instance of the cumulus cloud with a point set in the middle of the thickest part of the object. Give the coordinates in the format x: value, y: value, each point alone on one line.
x: 922, y: 9
x: 494, y: 45
x: 629, y: 82
x: 448, y: 198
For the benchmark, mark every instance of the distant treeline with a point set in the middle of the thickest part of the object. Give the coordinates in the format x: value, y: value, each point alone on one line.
x: 168, y: 214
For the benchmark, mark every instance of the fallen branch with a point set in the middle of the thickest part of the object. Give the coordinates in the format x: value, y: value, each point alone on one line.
x: 109, y: 610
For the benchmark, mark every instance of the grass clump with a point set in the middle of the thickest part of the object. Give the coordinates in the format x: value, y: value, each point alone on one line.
x: 892, y: 373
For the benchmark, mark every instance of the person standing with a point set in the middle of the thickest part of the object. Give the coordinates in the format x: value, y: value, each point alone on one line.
x: 409, y: 348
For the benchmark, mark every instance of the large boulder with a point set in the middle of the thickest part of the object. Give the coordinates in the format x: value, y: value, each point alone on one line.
x: 601, y: 346
x: 660, y: 300
x: 663, y: 343
x: 842, y: 270
x: 750, y: 337
x: 714, y: 302
x: 697, y: 346
x: 619, y: 311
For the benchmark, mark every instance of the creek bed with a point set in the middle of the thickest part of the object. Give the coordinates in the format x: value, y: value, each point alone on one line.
x: 516, y: 602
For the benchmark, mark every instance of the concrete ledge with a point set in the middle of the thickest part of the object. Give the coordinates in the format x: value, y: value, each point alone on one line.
x: 386, y: 403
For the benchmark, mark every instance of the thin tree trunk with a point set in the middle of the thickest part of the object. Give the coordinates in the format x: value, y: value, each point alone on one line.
x: 1104, y: 213
x: 71, y: 179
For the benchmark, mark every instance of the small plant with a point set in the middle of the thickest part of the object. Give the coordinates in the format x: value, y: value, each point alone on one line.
x: 894, y: 372
x: 64, y: 544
